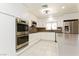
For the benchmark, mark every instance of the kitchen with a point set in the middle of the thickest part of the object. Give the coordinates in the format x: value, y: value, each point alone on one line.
x: 29, y: 29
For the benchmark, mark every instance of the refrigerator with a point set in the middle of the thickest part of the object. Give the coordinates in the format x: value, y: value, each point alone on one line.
x: 71, y: 26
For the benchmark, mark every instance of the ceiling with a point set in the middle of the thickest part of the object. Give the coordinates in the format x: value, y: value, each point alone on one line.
x: 58, y: 9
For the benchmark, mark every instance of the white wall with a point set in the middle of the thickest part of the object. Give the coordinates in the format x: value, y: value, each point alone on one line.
x: 41, y: 22
x: 17, y: 10
x: 59, y: 19
x: 67, y: 17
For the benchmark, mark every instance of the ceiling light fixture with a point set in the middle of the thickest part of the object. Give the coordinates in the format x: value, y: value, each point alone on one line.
x: 46, y: 11
x: 63, y: 7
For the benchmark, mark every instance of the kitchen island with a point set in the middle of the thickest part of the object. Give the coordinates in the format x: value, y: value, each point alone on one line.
x: 42, y: 36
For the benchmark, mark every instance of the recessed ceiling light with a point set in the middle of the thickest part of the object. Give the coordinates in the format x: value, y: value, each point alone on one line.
x: 63, y: 7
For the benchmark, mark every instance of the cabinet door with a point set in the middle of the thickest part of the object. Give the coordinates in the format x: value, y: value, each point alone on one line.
x: 34, y: 37
x: 48, y: 36
x: 71, y: 27
x: 7, y: 35
x: 75, y: 27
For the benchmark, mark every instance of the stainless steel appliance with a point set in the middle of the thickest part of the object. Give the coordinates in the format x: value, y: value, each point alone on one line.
x: 71, y: 26
x: 67, y: 29
x: 22, y: 36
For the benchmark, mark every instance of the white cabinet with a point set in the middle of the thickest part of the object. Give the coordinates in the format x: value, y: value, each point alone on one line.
x: 42, y: 36
x: 47, y: 36
x: 7, y: 35
x: 34, y: 37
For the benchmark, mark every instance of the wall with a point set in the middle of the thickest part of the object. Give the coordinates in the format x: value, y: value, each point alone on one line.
x: 68, y: 16
x: 42, y: 22
x: 59, y: 19
x: 17, y: 10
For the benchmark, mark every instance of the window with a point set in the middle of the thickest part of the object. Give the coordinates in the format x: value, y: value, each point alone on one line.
x: 54, y: 26
x: 48, y: 26
x: 51, y: 26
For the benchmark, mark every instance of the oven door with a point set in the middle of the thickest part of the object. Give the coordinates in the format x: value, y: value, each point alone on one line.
x: 22, y: 27
x: 22, y: 41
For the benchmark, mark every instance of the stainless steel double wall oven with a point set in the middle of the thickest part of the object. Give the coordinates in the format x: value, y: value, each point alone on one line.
x: 22, y: 36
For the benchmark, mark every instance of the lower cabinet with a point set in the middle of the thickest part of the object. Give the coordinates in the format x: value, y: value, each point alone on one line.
x: 41, y: 36
x: 33, y: 38
x: 47, y: 36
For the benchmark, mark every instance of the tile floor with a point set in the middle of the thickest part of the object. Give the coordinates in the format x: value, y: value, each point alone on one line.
x: 67, y: 45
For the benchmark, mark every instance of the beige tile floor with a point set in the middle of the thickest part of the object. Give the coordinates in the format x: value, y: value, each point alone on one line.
x: 67, y: 45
